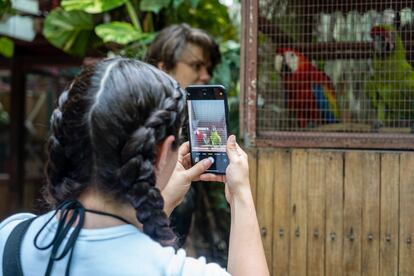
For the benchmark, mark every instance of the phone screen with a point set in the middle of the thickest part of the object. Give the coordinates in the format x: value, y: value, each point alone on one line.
x: 207, y: 118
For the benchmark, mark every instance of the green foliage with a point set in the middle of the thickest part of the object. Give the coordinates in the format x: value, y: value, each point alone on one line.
x: 154, y: 5
x: 5, y: 7
x: 227, y: 74
x: 6, y: 47
x: 92, y: 6
x: 69, y: 30
x: 4, y: 116
x: 119, y: 32
x: 139, y: 48
x: 209, y: 15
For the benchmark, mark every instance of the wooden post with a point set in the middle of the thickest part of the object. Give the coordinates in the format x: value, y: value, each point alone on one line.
x: 17, y: 132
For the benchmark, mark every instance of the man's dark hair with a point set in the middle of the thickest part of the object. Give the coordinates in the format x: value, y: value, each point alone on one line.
x: 105, y: 133
x: 170, y: 43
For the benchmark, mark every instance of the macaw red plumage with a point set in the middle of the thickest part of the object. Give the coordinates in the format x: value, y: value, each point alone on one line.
x: 199, y: 136
x: 310, y: 94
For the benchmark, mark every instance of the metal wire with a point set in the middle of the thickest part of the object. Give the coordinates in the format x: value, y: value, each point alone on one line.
x: 342, y: 66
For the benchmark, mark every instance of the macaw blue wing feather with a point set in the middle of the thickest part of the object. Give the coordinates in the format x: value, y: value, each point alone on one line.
x: 326, y: 102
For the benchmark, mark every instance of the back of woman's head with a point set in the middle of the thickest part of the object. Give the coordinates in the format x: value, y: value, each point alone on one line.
x: 105, y: 133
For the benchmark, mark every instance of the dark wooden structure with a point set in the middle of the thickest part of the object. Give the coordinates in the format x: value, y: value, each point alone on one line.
x: 28, y: 57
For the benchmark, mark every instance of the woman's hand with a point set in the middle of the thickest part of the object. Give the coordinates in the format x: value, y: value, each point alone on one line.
x: 237, y: 172
x: 183, y: 175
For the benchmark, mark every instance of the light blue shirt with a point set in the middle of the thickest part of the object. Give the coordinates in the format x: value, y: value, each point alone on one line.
x: 118, y: 250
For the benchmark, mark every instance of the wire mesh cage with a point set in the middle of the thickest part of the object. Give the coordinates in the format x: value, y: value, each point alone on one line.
x: 336, y: 68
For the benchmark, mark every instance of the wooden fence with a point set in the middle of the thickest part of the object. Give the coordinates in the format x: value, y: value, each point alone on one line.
x: 335, y: 212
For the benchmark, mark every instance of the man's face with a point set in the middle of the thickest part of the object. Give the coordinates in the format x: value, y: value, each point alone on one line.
x: 192, y: 67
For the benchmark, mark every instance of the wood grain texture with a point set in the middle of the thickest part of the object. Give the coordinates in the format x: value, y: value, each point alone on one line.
x: 265, y: 201
x: 252, y: 157
x: 281, y: 217
x: 334, y: 213
x: 4, y: 207
x: 353, y: 212
x: 316, y: 213
x: 298, y: 222
x: 406, y: 246
x: 362, y: 200
x: 389, y: 214
x: 371, y: 214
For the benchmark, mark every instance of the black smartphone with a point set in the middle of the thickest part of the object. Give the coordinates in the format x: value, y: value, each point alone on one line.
x: 208, y: 125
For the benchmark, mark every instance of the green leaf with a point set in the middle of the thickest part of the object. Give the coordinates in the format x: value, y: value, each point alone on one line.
x: 209, y: 15
x: 119, y: 32
x: 6, y: 47
x: 177, y: 3
x: 92, y: 6
x: 194, y: 3
x: 70, y: 31
x: 154, y: 5
x: 5, y: 7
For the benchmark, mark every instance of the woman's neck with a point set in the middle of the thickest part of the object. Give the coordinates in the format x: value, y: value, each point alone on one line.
x: 95, y: 200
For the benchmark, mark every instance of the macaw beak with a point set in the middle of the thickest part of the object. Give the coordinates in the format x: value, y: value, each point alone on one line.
x: 279, y: 61
x: 383, y: 46
x: 281, y: 65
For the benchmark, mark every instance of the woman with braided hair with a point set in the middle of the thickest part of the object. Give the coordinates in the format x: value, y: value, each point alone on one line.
x: 115, y: 173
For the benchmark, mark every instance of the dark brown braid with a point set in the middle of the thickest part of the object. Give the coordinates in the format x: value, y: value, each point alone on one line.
x: 69, y: 165
x: 126, y: 109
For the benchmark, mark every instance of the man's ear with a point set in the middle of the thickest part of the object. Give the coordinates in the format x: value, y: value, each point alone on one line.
x: 163, y: 151
x: 161, y: 65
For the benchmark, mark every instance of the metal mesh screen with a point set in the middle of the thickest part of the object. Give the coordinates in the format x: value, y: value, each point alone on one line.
x: 335, y: 66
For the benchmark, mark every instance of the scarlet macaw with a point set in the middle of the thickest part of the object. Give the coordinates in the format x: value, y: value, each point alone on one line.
x: 310, y: 94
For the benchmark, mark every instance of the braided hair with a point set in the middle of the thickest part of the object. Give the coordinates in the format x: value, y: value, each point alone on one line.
x: 105, y: 133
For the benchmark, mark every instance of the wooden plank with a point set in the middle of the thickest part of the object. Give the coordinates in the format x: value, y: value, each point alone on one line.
x: 265, y: 201
x: 17, y: 132
x: 334, y: 213
x: 335, y: 139
x: 352, y: 212
x: 316, y: 213
x: 281, y: 218
x: 4, y: 192
x: 252, y: 156
x: 406, y: 247
x: 298, y: 223
x: 32, y: 194
x: 370, y: 214
x: 389, y: 214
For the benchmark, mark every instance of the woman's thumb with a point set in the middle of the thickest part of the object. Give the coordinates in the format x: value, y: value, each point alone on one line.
x: 232, y: 147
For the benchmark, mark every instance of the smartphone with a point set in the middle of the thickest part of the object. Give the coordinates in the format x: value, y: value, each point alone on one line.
x: 208, y: 125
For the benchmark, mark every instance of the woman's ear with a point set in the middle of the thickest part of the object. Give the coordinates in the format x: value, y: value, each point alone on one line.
x: 163, y: 151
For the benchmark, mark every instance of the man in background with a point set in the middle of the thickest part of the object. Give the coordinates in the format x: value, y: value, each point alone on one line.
x: 187, y: 54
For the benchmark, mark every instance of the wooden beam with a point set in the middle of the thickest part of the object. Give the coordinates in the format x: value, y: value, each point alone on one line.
x: 17, y: 132
x: 5, y: 63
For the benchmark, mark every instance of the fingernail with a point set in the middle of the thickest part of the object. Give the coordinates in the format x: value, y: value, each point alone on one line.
x: 232, y: 139
x: 211, y: 159
x: 207, y: 161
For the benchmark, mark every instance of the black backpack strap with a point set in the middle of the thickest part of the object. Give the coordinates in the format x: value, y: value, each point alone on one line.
x: 11, y: 253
